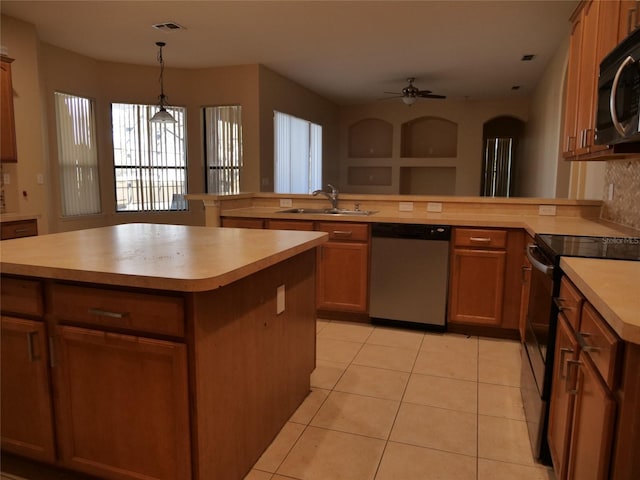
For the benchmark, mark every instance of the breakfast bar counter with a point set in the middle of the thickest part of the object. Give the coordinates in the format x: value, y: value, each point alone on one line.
x: 155, y: 351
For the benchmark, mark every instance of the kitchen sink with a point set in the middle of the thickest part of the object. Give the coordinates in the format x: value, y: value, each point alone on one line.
x: 327, y: 211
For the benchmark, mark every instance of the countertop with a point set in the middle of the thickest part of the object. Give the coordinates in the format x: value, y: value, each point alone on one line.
x: 613, y: 288
x: 166, y: 257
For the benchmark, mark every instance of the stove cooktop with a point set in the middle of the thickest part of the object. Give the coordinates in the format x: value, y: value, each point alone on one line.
x: 612, y: 248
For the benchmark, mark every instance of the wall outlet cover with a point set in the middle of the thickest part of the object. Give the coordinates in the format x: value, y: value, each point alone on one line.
x: 286, y: 202
x: 405, y: 206
x: 547, y: 210
x: 434, y: 207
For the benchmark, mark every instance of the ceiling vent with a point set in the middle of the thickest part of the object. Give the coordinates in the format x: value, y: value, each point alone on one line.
x: 528, y: 57
x: 168, y: 26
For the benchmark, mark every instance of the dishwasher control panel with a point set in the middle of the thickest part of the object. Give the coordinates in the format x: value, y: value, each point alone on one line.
x: 411, y: 230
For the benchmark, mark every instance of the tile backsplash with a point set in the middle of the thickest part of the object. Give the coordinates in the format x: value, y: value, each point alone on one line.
x: 625, y: 206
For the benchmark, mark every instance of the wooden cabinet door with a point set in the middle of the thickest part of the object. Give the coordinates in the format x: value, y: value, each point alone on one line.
x: 343, y: 277
x: 593, y: 424
x: 628, y: 18
x: 562, y: 398
x: 477, y: 286
x: 569, y: 142
x: 124, y: 409
x: 27, y: 415
x: 8, y: 149
x: 243, y: 222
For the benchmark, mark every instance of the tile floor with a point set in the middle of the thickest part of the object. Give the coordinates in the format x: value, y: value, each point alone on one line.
x: 397, y: 404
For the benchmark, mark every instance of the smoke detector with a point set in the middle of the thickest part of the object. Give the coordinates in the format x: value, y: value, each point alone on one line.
x: 168, y: 27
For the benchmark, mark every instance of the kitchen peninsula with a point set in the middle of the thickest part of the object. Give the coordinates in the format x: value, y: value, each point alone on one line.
x: 155, y: 351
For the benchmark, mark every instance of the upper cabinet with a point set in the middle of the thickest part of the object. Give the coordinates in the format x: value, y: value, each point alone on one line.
x: 594, y: 33
x: 8, y: 150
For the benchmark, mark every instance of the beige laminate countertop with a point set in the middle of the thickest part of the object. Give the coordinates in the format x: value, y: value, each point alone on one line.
x: 613, y: 288
x: 166, y: 257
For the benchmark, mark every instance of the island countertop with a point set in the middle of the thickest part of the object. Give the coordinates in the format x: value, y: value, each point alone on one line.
x: 165, y: 257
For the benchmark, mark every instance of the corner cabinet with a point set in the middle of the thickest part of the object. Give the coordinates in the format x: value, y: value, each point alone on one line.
x: 8, y: 148
x: 479, y: 295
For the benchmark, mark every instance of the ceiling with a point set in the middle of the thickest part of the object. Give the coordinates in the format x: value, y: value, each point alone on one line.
x: 347, y: 51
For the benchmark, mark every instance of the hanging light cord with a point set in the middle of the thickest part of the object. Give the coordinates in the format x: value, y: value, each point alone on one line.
x: 162, y: 96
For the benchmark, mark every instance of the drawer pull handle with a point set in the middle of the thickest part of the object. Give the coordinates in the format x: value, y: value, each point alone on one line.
x: 342, y: 233
x: 106, y: 313
x: 563, y: 365
x: 480, y: 239
x: 559, y: 303
x: 583, y: 343
x: 30, y: 353
x: 571, y: 363
x: 21, y: 230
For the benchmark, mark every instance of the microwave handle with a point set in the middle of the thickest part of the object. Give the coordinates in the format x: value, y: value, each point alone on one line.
x: 614, y: 92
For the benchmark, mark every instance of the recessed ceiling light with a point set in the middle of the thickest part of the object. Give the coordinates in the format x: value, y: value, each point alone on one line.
x: 528, y: 57
x: 168, y: 26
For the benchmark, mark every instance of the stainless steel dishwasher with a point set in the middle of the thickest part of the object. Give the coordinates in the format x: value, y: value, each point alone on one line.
x: 409, y: 275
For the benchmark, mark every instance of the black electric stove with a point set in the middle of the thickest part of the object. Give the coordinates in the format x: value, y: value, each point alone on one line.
x: 611, y: 248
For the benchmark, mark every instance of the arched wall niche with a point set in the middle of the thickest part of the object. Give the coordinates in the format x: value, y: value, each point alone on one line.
x: 371, y: 138
x: 429, y: 137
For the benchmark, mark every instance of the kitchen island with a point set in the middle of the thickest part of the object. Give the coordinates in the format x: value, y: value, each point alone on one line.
x: 155, y: 351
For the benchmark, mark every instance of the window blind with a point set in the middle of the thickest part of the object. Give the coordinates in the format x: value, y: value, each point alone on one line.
x: 77, y: 155
x: 223, y: 148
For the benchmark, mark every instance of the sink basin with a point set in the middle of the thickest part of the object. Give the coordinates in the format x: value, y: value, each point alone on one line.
x: 326, y: 211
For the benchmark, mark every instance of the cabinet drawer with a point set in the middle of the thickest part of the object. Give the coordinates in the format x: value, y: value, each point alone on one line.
x: 132, y: 311
x: 343, y: 231
x: 19, y: 229
x: 570, y: 302
x: 479, y: 238
x: 290, y: 225
x: 600, y: 342
x: 21, y: 297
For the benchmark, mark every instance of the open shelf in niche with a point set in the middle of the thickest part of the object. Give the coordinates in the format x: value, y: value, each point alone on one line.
x: 428, y: 180
x: 380, y: 176
x: 429, y: 137
x: 370, y: 138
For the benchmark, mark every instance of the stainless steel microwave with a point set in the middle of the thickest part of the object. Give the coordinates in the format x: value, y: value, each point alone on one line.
x: 618, y: 113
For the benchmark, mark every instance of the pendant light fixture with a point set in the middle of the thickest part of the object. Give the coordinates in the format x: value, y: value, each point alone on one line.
x: 162, y: 116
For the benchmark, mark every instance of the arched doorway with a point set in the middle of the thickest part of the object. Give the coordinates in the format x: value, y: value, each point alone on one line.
x: 502, y: 137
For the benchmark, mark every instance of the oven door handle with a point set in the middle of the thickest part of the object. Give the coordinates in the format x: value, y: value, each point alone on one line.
x: 543, y: 267
x: 614, y: 93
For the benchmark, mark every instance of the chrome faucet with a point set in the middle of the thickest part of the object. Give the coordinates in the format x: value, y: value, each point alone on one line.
x: 333, y: 196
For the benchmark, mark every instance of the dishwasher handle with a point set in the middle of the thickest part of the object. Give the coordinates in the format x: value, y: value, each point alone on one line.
x: 537, y: 263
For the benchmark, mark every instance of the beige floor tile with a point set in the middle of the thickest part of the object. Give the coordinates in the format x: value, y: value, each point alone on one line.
x: 320, y: 324
x: 461, y: 395
x: 492, y: 470
x: 395, y: 337
x: 499, y: 362
x: 327, y: 374
x: 447, y: 363
x: 310, y: 406
x: 382, y: 356
x: 336, y: 350
x: 439, y: 342
x: 258, y: 475
x: 408, y: 462
x: 279, y: 448
x: 347, y: 412
x: 436, y: 428
x: 348, y: 331
x: 322, y: 454
x: 504, y: 439
x: 373, y: 382
x: 500, y: 401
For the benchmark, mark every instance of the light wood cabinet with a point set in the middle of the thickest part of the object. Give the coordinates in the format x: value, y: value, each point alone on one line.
x: 343, y: 268
x: 27, y: 411
x: 8, y: 148
x: 629, y: 18
x: 242, y: 222
x: 18, y: 229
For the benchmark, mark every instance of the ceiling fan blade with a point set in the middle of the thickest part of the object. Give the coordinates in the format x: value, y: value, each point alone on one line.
x: 391, y: 98
x: 424, y: 94
x: 393, y: 93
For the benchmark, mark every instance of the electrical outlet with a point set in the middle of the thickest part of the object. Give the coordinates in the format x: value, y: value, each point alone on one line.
x: 280, y: 300
x: 405, y: 206
x: 547, y: 210
x: 40, y: 179
x: 286, y: 202
x: 6, y: 178
x: 610, y: 192
x: 434, y: 207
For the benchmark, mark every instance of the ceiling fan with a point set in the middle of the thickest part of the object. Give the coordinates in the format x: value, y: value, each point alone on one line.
x: 411, y: 93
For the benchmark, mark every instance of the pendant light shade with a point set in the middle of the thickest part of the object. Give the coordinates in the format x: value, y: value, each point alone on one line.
x: 162, y: 116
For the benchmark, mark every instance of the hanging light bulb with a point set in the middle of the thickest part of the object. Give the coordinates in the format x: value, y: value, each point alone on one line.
x: 162, y: 116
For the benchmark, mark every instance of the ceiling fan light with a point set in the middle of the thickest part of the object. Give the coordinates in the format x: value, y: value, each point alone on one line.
x: 162, y: 116
x: 409, y: 100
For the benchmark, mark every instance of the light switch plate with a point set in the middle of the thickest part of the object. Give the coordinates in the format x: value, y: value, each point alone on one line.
x: 405, y: 206
x: 280, y: 300
x: 547, y: 210
x: 286, y: 202
x: 40, y: 179
x: 6, y: 178
x: 434, y: 207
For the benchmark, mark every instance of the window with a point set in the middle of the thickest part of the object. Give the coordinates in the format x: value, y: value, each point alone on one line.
x: 298, y: 155
x: 77, y: 155
x: 149, y: 159
x: 223, y: 148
